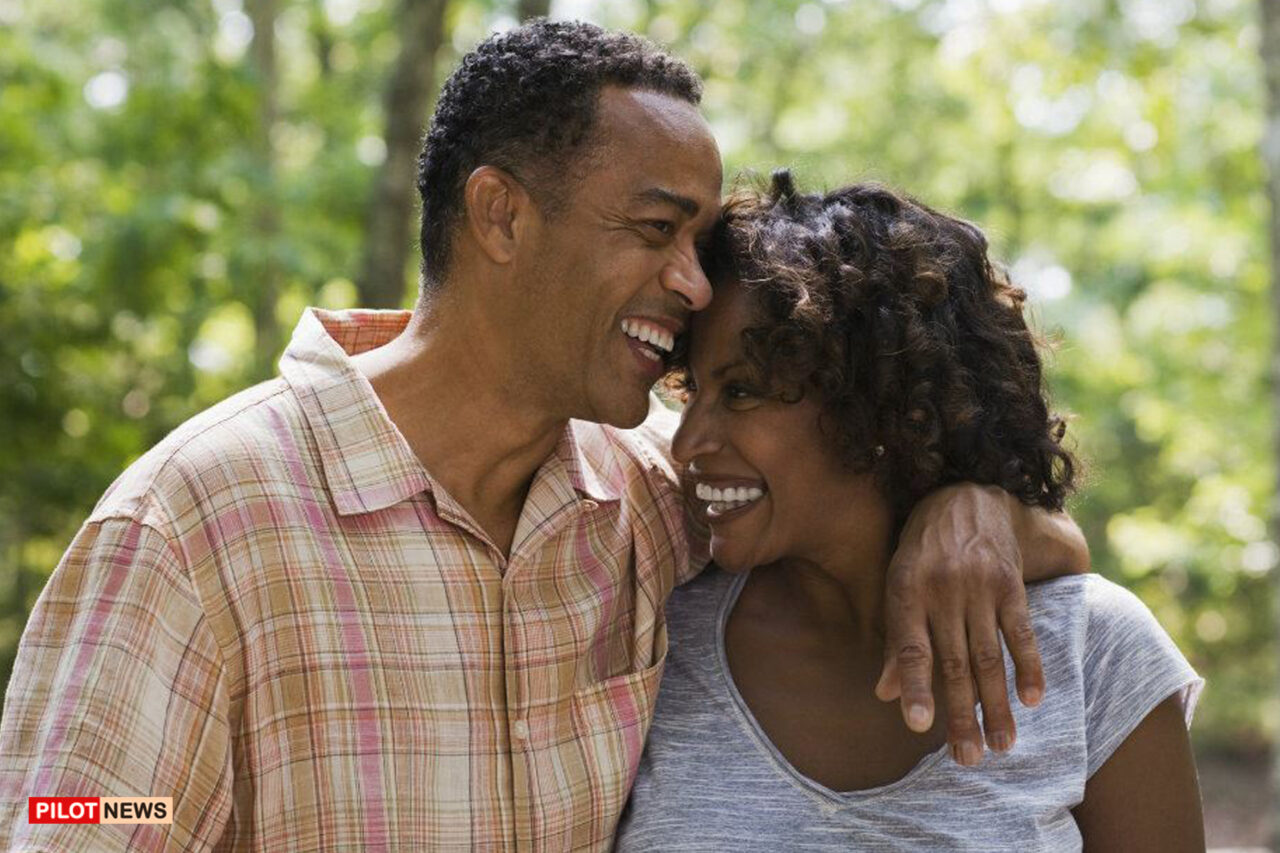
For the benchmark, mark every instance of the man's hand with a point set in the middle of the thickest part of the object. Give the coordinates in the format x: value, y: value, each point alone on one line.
x: 957, y: 577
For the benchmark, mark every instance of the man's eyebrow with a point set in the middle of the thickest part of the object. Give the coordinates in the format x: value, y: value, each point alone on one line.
x: 658, y: 194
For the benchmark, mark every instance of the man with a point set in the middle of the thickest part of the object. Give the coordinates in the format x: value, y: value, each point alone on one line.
x: 409, y: 595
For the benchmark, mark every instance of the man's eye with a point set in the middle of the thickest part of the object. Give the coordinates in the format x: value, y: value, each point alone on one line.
x: 662, y: 226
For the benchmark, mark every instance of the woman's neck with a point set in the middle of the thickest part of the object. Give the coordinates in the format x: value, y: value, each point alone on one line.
x: 839, y: 587
x: 835, y: 578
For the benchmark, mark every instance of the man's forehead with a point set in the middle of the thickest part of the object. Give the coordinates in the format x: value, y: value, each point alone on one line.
x: 647, y: 109
x: 663, y: 142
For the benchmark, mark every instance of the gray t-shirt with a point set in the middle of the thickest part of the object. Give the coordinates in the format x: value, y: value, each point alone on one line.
x: 711, y: 780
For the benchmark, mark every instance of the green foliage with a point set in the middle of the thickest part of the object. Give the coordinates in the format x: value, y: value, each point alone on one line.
x: 1108, y: 147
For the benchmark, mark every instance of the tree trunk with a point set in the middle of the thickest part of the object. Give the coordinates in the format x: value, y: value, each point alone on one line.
x: 1270, y: 47
x: 265, y: 275
x: 391, y: 207
x: 527, y: 9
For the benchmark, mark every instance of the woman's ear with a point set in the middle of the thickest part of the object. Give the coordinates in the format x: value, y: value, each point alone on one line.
x: 497, y: 209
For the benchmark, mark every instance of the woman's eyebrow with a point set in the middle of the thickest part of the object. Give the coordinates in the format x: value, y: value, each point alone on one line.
x: 720, y: 371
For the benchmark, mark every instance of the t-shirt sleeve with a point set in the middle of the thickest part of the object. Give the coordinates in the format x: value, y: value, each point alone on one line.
x: 657, y: 430
x: 1130, y: 666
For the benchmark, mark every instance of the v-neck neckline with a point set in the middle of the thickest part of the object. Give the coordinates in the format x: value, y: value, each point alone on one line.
x: 781, y: 763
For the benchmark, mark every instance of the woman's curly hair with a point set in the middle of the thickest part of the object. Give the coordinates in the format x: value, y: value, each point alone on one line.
x: 914, y: 341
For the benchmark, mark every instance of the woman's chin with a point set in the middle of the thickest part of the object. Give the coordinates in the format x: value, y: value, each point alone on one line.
x: 729, y: 558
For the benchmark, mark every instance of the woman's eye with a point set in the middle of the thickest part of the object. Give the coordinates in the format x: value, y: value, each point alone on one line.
x: 739, y: 396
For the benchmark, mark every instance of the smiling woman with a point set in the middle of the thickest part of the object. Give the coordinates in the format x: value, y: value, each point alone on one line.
x: 861, y: 351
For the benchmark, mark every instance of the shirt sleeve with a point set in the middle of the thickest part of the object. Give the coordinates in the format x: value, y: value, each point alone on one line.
x: 1130, y: 666
x: 658, y: 429
x: 118, y: 690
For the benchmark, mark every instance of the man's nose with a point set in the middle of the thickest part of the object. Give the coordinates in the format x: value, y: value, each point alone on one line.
x: 685, y: 278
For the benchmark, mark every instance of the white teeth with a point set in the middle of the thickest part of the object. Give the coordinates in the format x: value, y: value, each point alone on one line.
x: 727, y: 498
x: 649, y: 334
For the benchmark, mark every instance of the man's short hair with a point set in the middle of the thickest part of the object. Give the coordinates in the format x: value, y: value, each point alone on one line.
x: 525, y: 101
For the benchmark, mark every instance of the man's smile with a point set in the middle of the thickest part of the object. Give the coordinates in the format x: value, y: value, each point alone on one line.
x: 651, y: 340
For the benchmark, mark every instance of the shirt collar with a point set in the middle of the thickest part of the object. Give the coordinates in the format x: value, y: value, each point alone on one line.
x: 367, y: 463
x: 591, y: 461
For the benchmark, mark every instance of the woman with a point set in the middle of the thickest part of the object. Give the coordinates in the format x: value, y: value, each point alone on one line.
x: 860, y: 351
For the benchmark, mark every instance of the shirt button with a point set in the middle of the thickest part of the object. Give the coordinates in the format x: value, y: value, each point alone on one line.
x: 521, y: 730
x: 588, y: 505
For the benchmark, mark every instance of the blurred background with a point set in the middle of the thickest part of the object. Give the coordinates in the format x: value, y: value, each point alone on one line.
x: 179, y: 179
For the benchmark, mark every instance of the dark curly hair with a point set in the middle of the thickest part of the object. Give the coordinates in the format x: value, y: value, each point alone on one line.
x: 914, y: 341
x: 525, y: 101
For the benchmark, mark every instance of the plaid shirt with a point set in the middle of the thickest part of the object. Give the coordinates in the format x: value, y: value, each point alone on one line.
x: 277, y: 618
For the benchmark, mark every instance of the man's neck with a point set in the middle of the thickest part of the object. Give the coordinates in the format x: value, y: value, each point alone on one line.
x: 454, y: 403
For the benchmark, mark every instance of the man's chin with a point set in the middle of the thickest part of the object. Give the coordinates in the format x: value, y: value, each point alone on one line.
x: 623, y: 413
x: 628, y: 421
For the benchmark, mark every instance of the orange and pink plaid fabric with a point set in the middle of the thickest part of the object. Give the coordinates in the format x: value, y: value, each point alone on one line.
x: 277, y: 618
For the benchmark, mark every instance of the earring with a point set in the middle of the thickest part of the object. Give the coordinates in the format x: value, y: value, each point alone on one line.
x: 877, y: 451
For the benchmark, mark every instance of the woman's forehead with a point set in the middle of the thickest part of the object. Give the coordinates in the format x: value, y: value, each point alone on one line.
x: 716, y: 331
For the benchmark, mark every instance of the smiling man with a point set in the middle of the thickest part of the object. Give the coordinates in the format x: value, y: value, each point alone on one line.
x: 409, y: 595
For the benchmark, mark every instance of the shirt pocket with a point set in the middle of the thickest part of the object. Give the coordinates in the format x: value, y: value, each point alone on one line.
x: 610, y: 721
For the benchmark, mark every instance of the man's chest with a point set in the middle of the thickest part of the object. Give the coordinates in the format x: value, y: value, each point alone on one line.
x: 393, y: 661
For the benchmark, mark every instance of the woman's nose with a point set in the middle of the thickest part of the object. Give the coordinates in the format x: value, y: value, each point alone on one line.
x: 695, y: 436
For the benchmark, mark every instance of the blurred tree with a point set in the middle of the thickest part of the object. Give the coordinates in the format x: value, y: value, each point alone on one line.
x: 391, y: 205
x: 265, y: 270
x: 1270, y: 47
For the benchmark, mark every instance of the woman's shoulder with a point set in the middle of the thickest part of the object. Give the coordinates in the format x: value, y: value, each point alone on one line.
x: 1101, y: 636
x: 1124, y: 662
x: 1100, y: 611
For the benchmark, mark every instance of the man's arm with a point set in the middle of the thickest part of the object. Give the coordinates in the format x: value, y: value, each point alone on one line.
x: 118, y: 690
x: 1051, y: 543
x: 955, y: 585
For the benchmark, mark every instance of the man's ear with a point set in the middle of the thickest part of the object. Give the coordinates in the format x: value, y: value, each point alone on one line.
x: 498, y: 211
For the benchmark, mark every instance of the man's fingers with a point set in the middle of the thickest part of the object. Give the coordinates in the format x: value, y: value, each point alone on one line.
x: 1020, y: 639
x: 915, y: 678
x: 889, y: 687
x: 963, y: 733
x: 986, y: 660
x: 908, y: 657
